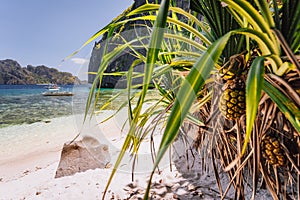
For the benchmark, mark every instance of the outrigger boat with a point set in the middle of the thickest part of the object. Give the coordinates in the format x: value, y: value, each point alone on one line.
x: 53, y: 90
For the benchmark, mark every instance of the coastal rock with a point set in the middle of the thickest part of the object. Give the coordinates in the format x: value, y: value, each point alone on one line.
x: 11, y: 73
x: 131, y: 30
x: 79, y: 156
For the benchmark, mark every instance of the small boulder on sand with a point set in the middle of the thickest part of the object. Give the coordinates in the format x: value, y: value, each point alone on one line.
x: 79, y: 156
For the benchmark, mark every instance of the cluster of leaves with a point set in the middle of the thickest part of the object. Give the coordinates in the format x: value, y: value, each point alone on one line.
x: 201, y: 49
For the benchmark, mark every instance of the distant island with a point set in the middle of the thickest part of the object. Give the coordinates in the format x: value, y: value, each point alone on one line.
x: 11, y: 73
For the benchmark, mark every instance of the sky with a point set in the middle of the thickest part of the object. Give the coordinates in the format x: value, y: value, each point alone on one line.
x: 44, y: 32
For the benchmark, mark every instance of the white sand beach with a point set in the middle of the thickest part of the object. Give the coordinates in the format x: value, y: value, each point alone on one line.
x: 28, y: 167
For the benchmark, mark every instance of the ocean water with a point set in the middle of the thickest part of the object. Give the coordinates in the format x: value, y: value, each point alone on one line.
x: 25, y: 104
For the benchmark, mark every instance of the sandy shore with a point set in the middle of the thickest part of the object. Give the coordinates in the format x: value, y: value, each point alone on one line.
x: 29, y: 161
x: 30, y: 155
x: 27, y: 167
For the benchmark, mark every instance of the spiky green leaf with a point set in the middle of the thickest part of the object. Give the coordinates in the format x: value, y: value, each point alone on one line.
x: 254, y: 86
x: 186, y: 95
x: 286, y: 106
x: 152, y: 54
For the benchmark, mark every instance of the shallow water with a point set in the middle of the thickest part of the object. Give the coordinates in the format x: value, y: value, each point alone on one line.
x: 25, y: 104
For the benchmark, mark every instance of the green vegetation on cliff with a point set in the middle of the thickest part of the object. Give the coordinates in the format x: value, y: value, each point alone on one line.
x: 12, y: 73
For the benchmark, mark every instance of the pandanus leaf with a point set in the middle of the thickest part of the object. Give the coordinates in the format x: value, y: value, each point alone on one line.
x: 186, y: 96
x: 254, y: 85
x: 286, y: 106
x: 253, y: 16
x: 152, y: 54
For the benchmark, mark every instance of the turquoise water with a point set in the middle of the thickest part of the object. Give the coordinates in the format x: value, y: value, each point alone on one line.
x: 26, y: 104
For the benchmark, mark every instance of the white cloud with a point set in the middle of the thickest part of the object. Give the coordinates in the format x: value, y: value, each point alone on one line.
x: 79, y: 61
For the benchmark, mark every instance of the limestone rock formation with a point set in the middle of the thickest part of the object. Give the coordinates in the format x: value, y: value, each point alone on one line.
x: 82, y: 155
x: 12, y: 73
x: 129, y: 31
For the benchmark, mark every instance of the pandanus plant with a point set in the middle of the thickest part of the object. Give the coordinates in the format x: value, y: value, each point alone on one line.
x: 241, y: 64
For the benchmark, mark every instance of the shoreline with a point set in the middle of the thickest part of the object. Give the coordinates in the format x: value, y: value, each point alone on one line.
x: 19, y: 140
x: 29, y: 173
x: 29, y: 161
x: 28, y: 147
x: 41, y: 120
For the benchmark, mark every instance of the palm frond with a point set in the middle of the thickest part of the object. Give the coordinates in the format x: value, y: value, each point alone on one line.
x: 184, y: 60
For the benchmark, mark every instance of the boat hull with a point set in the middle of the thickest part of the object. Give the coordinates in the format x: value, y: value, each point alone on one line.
x: 58, y: 94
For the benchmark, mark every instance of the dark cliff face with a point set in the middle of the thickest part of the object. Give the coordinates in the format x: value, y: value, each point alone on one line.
x: 123, y: 62
x: 12, y: 73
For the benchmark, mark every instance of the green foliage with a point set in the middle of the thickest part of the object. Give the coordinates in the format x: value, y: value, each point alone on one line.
x: 12, y: 73
x: 254, y: 86
x: 266, y: 32
x: 287, y: 20
x: 220, y: 22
